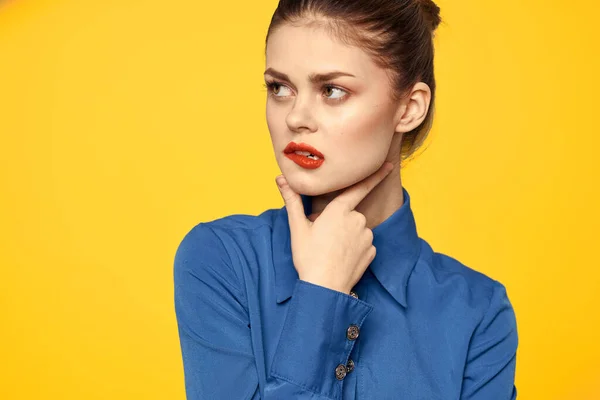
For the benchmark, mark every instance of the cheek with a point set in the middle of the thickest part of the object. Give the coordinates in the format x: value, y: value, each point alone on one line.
x: 271, y: 119
x: 363, y: 133
x: 276, y: 124
x: 278, y: 131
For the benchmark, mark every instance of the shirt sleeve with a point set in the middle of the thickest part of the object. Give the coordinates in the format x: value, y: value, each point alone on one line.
x: 215, y: 333
x: 212, y: 321
x: 319, y: 332
x: 491, y: 360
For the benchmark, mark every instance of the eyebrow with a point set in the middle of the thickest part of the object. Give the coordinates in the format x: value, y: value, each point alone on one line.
x: 313, y: 78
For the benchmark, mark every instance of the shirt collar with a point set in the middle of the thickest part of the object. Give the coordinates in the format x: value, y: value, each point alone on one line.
x: 396, y: 241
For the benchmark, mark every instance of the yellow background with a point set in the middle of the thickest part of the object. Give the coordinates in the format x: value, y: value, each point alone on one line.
x: 125, y: 123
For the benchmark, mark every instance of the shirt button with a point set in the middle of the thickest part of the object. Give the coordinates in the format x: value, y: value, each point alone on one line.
x: 352, y: 332
x: 340, y: 372
x: 350, y: 366
x: 353, y: 294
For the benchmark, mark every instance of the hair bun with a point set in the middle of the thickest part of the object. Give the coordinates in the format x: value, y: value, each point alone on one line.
x: 432, y: 11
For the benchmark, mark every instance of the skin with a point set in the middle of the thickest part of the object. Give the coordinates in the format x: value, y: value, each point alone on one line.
x: 351, y: 120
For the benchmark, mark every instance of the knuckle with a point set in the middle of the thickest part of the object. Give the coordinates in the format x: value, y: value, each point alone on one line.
x: 361, y: 218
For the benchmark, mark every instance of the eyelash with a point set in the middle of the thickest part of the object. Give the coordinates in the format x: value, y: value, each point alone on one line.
x: 270, y: 85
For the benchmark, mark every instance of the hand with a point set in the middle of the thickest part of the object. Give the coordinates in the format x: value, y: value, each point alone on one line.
x: 334, y: 248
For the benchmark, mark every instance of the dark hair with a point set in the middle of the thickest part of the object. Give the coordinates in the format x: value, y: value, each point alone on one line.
x: 398, y: 34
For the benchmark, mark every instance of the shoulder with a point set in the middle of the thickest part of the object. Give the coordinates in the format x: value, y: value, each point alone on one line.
x: 212, y: 232
x: 212, y: 244
x: 463, y: 283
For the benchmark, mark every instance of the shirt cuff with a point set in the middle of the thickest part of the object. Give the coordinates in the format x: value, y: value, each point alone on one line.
x: 320, y: 329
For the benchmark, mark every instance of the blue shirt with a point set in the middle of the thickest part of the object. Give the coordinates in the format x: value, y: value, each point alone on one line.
x: 422, y: 327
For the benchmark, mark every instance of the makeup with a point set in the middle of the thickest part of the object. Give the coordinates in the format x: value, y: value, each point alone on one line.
x: 305, y: 65
x: 304, y: 155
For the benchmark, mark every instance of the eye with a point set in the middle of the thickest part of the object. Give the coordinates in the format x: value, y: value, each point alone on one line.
x: 280, y: 90
x: 277, y: 89
x: 329, y: 90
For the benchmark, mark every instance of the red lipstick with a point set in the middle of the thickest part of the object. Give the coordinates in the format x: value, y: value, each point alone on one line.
x: 304, y: 155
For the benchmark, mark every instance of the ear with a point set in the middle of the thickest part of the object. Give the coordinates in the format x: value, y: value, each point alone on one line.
x: 413, y: 108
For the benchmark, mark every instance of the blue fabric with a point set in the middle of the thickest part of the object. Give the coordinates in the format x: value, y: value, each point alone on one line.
x: 429, y: 327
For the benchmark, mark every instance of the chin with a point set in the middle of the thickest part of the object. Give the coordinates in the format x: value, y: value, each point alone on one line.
x: 304, y: 186
x: 316, y: 182
x: 308, y: 185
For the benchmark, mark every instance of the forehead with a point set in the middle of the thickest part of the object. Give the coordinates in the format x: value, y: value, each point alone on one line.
x: 310, y: 48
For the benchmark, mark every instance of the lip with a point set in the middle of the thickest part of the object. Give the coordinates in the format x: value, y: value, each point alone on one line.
x: 303, y: 161
x: 293, y: 146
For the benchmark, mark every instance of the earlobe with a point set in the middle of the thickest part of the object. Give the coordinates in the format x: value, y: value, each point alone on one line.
x: 413, y: 109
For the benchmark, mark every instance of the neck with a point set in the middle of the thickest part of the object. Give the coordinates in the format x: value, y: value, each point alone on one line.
x: 377, y: 206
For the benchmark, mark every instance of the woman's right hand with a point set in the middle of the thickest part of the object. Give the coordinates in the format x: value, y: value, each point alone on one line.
x: 336, y: 248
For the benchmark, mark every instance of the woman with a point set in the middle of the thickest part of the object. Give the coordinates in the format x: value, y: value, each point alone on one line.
x: 335, y: 296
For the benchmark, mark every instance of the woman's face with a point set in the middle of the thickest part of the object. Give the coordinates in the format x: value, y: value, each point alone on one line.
x: 349, y: 118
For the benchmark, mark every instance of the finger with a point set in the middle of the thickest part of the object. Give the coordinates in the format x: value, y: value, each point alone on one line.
x: 293, y: 205
x: 352, y: 196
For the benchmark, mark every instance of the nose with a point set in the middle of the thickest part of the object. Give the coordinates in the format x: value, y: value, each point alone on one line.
x: 301, y: 117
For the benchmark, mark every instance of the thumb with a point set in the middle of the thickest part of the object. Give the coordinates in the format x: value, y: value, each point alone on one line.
x: 293, y: 204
